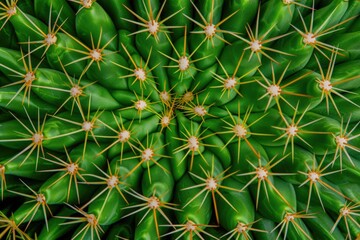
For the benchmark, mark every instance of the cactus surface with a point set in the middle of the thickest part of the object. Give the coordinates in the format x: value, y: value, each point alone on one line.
x: 179, y: 119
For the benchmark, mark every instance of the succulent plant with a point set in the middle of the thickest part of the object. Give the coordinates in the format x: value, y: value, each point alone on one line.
x: 208, y: 119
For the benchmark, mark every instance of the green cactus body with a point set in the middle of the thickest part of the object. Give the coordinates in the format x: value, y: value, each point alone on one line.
x: 179, y: 119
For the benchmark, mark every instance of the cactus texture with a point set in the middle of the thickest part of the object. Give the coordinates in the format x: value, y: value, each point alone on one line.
x: 179, y: 119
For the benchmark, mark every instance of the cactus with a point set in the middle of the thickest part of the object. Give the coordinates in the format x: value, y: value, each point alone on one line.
x: 181, y: 119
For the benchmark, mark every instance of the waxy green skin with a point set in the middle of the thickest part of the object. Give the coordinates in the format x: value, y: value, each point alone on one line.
x: 241, y: 201
x: 107, y: 75
x: 294, y: 232
x: 110, y: 94
x: 246, y: 13
x: 21, y: 214
x: 325, y: 125
x: 59, y: 8
x: 178, y: 167
x: 266, y: 225
x: 273, y: 118
x: 179, y: 19
x: 57, y: 193
x: 87, y: 235
x: 147, y: 228
x: 157, y: 61
x: 23, y: 29
x: 206, y: 8
x: 280, y: 15
x: 193, y: 212
x: 10, y: 59
x: 162, y: 183
x: 222, y: 153
x: 13, y: 183
x: 127, y: 40
x: 56, y: 127
x: 246, y: 154
x: 117, y: 13
x: 149, y: 125
x: 211, y: 162
x: 17, y: 105
x: 8, y: 36
x: 90, y: 158
x: 346, y: 109
x: 56, y: 230
x: 332, y: 201
x: 105, y: 209
x: 302, y: 159
x: 349, y: 44
x: 20, y: 168
x: 278, y: 208
x: 61, y: 52
x: 232, y: 53
x: 96, y: 22
x: 306, y: 86
x: 47, y: 78
x: 124, y: 167
x: 323, y: 223
x: 122, y: 229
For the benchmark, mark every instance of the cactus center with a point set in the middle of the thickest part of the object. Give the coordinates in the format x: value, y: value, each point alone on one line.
x: 147, y: 154
x: 140, y: 74
x: 193, y: 143
x: 341, y: 141
x: 190, y: 226
x: 289, y: 217
x: 153, y: 202
x: 12, y: 225
x: 29, y: 78
x: 124, y: 136
x: 313, y: 176
x: 87, y: 126
x: 200, y: 111
x: 274, y: 90
x: 309, y: 38
x: 11, y: 10
x: 91, y: 219
x: 40, y: 198
x: 87, y: 3
x: 165, y: 96
x: 165, y: 121
x: 241, y: 228
x: 288, y: 1
x: 184, y: 63
x: 140, y: 105
x: 95, y: 54
x: 325, y: 85
x: 72, y: 168
x: 211, y: 184
x: 210, y: 30
x: 75, y: 91
x: 37, y: 138
x: 187, y: 97
x: 153, y: 27
x: 50, y: 39
x: 112, y: 181
x: 255, y: 46
x: 292, y: 130
x: 230, y: 83
x: 261, y: 173
x: 345, y: 211
x: 240, y: 130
